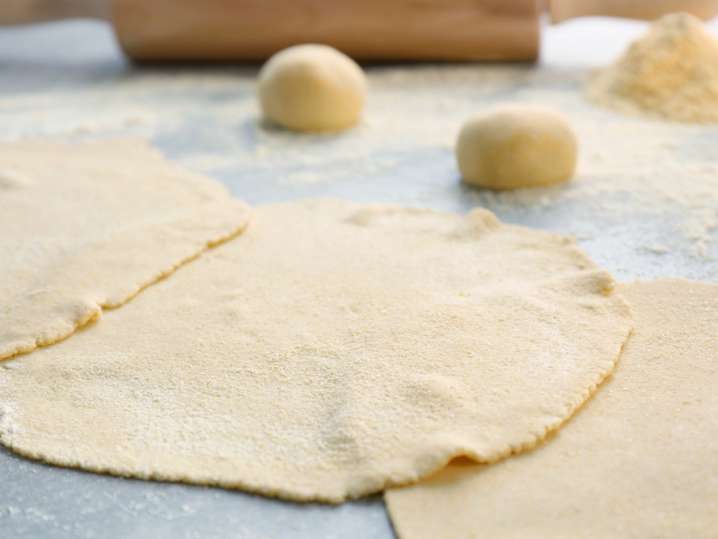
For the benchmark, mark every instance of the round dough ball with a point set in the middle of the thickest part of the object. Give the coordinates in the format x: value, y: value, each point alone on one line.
x: 312, y: 88
x: 517, y: 146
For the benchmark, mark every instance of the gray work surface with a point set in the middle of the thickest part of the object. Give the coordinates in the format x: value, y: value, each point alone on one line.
x: 69, y: 81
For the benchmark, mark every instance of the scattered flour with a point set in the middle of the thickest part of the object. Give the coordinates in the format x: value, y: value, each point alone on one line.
x: 671, y: 72
x: 639, y: 183
x: 657, y: 249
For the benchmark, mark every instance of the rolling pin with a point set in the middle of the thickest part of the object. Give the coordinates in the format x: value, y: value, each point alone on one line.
x: 222, y: 30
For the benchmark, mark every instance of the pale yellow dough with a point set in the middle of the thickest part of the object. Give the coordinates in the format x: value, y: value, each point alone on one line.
x: 640, y: 460
x: 87, y: 226
x: 312, y: 88
x: 327, y: 352
x: 516, y: 146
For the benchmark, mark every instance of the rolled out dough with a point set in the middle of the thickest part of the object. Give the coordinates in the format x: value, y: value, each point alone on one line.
x: 640, y: 460
x: 327, y: 352
x: 87, y: 226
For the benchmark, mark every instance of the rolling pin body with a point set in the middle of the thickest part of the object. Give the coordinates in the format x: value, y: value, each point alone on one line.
x: 363, y: 29
x: 160, y: 30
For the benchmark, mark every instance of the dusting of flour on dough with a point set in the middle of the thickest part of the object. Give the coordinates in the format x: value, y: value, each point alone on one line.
x: 330, y: 350
x: 638, y: 460
x: 86, y: 227
x: 12, y: 179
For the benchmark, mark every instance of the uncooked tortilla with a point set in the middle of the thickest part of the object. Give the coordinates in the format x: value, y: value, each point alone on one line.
x: 87, y: 226
x: 327, y: 352
x: 640, y: 460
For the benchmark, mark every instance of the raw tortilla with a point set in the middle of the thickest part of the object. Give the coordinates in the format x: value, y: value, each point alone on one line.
x: 87, y: 226
x: 327, y: 352
x: 641, y: 460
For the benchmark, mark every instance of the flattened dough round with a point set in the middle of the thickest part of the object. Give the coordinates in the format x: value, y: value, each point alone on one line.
x: 330, y: 350
x: 640, y: 460
x: 87, y: 226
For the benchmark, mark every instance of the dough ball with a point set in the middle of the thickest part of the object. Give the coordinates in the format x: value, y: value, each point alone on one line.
x: 516, y: 146
x: 312, y: 88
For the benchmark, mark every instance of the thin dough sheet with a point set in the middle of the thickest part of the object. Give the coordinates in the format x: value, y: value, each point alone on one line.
x: 86, y: 226
x: 639, y: 460
x: 329, y: 351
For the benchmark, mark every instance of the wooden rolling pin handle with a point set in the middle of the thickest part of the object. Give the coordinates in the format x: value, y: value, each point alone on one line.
x: 562, y: 10
x: 14, y: 12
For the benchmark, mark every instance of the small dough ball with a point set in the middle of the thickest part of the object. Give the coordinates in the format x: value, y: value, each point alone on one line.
x: 517, y: 146
x: 312, y: 88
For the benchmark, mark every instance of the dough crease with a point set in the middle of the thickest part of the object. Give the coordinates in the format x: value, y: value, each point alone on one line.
x: 87, y: 226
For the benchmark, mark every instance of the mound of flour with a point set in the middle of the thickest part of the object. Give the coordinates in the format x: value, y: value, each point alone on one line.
x: 671, y: 72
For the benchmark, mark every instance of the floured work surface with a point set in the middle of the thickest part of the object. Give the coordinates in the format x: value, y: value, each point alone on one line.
x: 87, y: 226
x: 330, y: 350
x: 639, y: 460
x: 643, y: 205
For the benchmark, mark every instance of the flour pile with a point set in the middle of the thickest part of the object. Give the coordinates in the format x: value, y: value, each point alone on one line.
x: 671, y: 72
